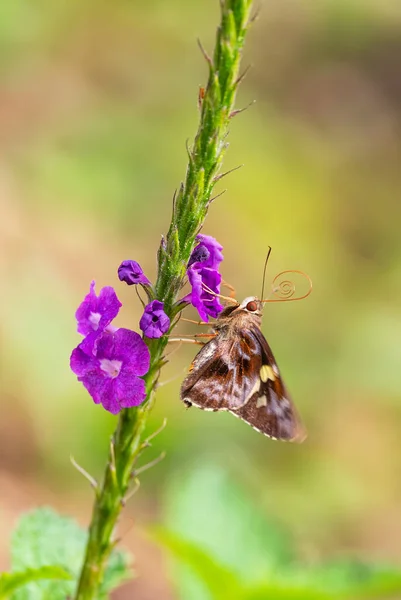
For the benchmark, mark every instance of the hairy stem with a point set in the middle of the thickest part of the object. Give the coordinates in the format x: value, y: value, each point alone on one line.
x: 190, y: 209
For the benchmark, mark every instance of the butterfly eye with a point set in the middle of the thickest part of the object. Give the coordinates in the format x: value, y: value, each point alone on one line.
x: 252, y: 306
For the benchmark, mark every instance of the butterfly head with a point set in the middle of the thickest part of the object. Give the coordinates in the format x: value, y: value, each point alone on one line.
x: 252, y: 305
x: 249, y: 306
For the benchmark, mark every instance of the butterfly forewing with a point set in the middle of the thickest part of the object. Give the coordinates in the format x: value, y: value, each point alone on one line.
x: 224, y: 374
x: 236, y: 371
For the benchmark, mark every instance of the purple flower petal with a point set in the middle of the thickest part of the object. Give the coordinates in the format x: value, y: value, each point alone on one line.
x: 129, y: 392
x: 100, y: 388
x: 131, y: 272
x: 96, y: 312
x: 82, y: 363
x: 89, y: 343
x: 132, y: 350
x: 208, y: 253
x: 108, y: 397
x: 87, y: 368
x: 154, y: 321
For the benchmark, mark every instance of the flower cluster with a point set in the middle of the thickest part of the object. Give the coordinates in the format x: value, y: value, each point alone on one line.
x: 109, y: 361
x: 203, y: 276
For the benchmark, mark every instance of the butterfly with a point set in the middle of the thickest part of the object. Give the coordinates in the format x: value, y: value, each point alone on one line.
x: 236, y: 371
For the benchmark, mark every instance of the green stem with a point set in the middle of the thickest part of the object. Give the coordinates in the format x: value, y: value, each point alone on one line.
x: 190, y: 209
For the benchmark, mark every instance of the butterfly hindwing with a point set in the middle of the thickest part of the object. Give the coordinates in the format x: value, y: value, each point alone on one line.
x: 270, y: 410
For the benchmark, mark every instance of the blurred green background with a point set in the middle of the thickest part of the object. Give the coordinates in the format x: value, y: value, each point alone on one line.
x: 96, y: 102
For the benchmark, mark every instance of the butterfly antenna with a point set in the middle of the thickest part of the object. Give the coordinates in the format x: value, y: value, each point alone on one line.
x: 285, y: 290
x: 264, y: 272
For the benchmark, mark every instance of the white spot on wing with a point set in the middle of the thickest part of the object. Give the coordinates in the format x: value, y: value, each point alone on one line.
x: 261, y: 401
x: 251, y: 393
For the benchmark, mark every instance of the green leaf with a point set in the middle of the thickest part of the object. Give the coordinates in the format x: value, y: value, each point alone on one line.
x: 218, y: 580
x: 117, y: 572
x: 206, y: 507
x: 287, y: 591
x: 43, y: 537
x: 10, y: 582
x: 221, y: 583
x: 355, y: 579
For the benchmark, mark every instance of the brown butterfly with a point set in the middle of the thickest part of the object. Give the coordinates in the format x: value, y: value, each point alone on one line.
x: 237, y: 372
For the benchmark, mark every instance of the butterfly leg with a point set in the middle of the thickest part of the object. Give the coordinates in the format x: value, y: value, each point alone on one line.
x: 229, y: 287
x: 199, y: 335
x: 193, y: 339
x: 196, y: 322
x: 186, y: 340
x: 178, y: 375
x: 173, y: 351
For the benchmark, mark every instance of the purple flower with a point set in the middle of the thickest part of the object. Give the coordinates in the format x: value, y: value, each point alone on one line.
x: 205, y: 303
x: 131, y: 272
x: 96, y: 312
x: 203, y: 271
x: 154, y: 321
x: 111, y: 372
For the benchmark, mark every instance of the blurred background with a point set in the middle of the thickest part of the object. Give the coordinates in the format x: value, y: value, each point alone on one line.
x: 96, y: 102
